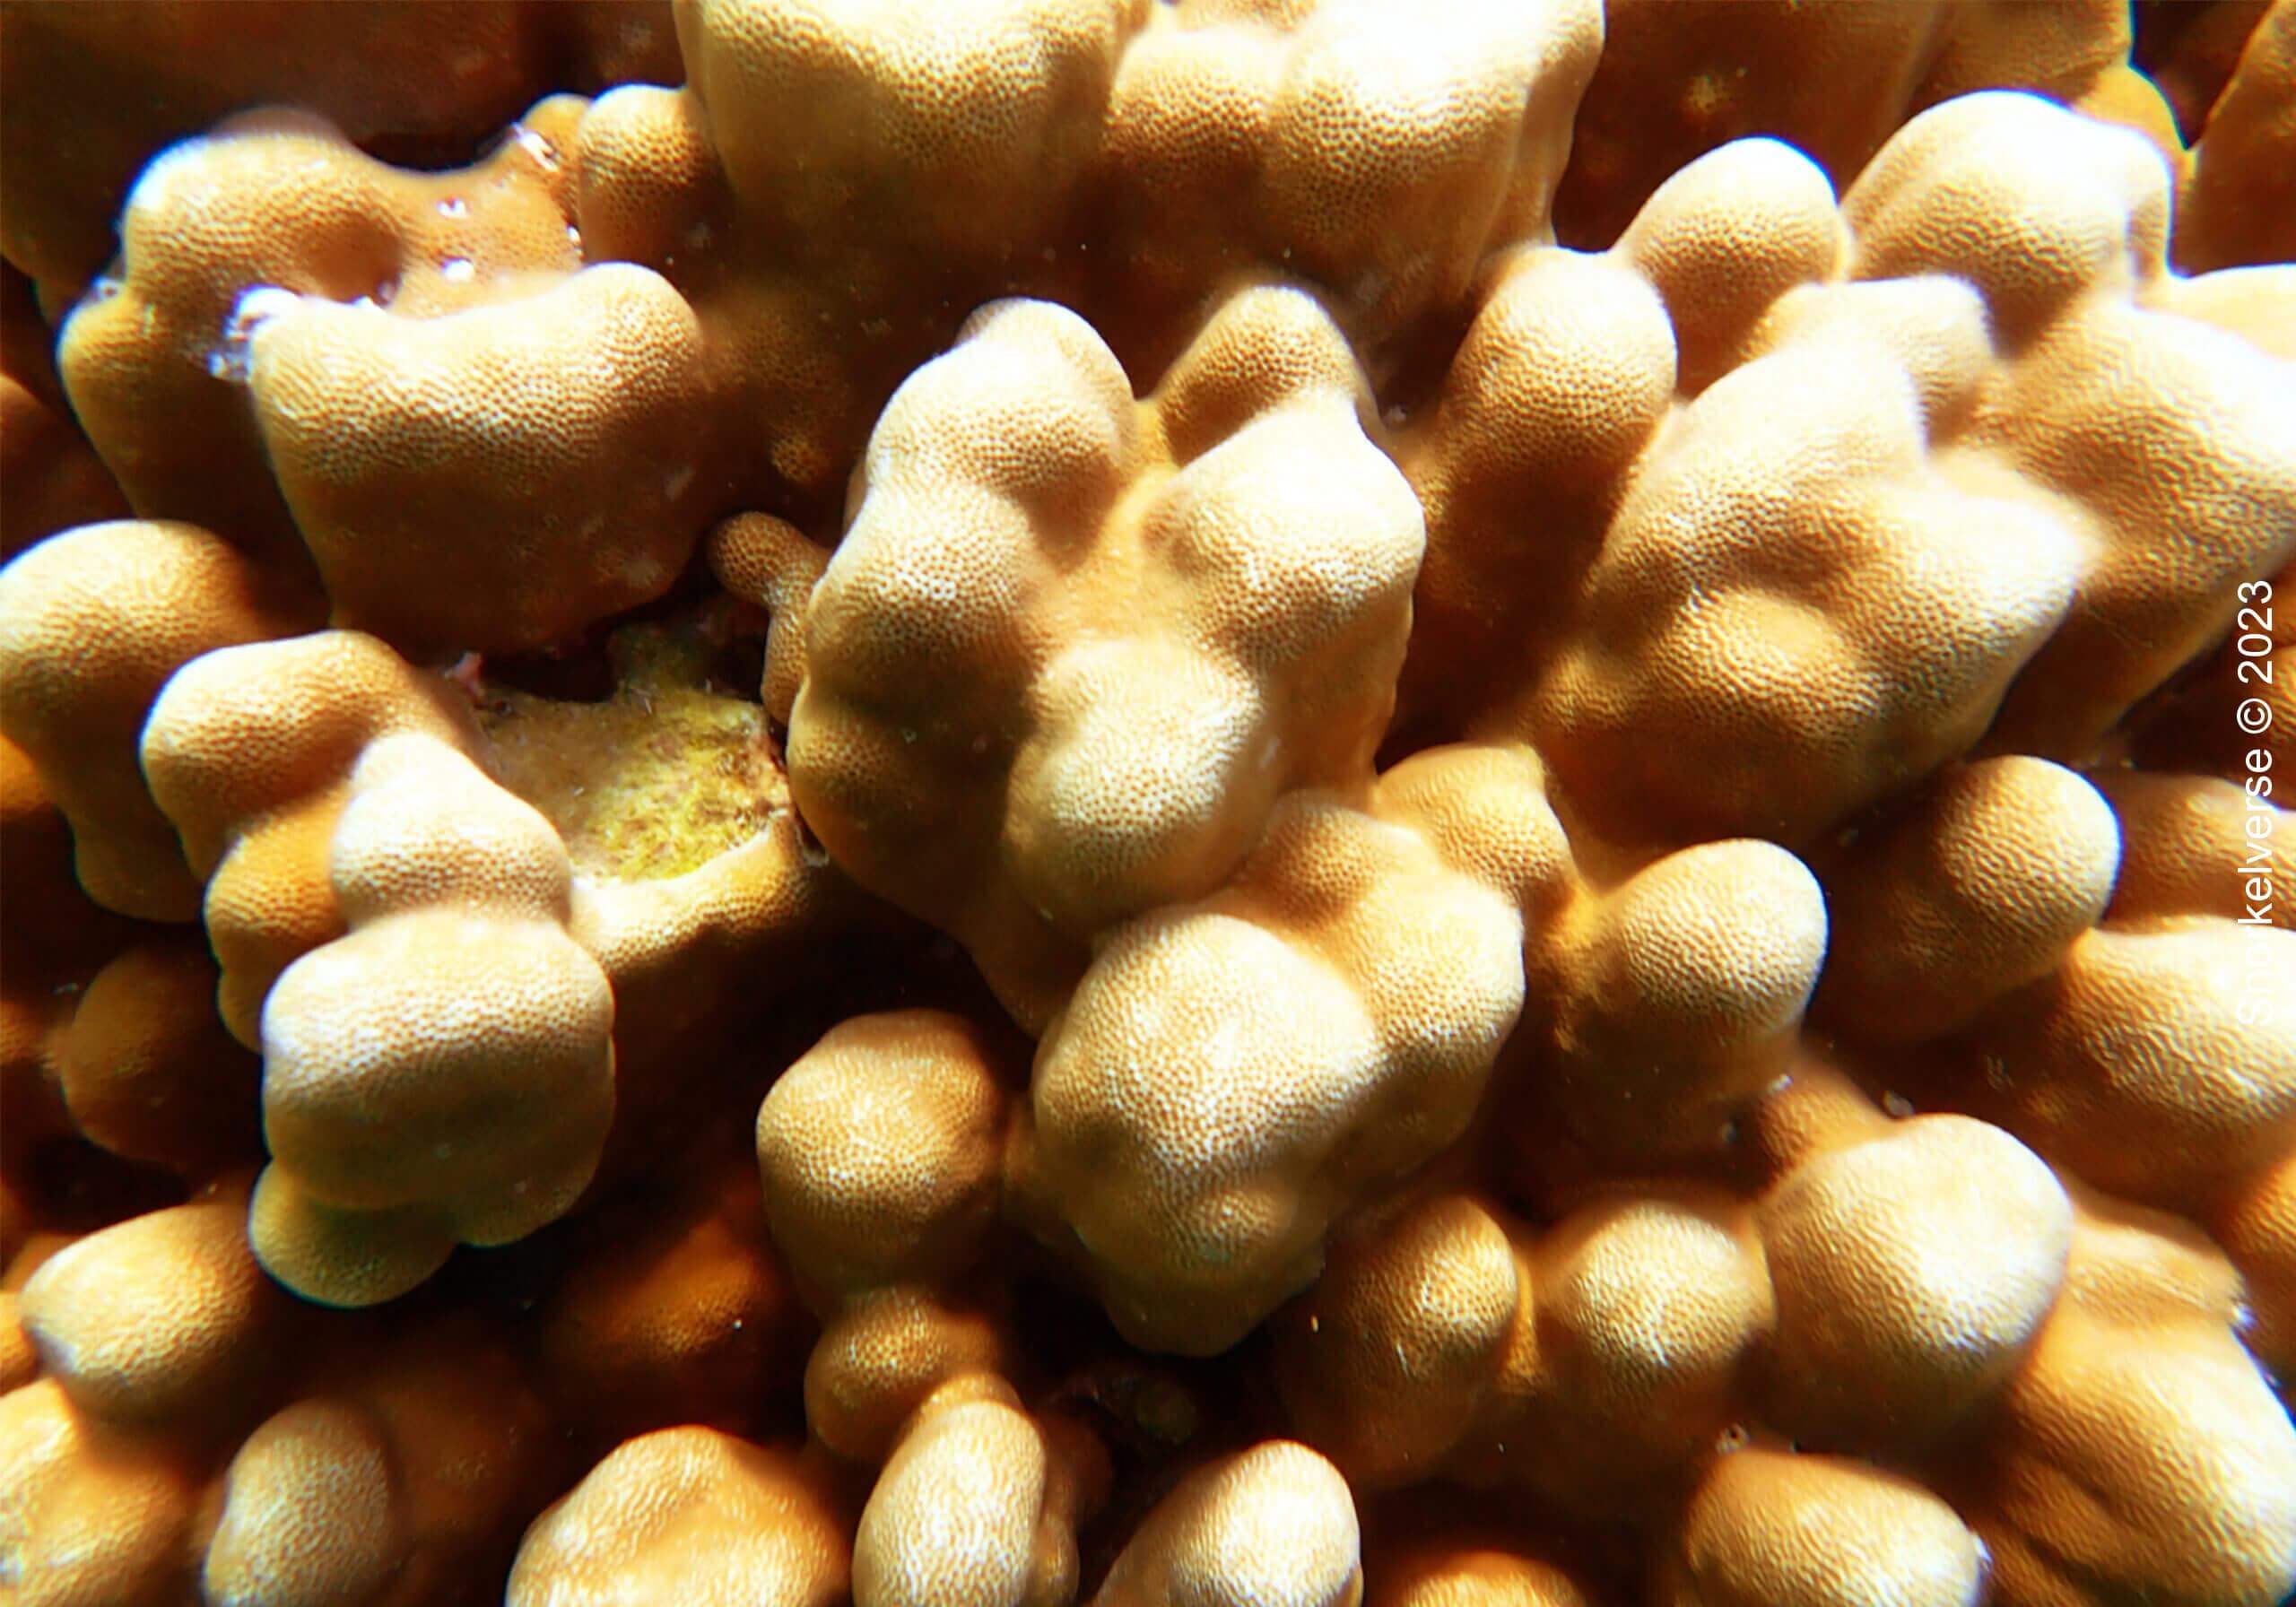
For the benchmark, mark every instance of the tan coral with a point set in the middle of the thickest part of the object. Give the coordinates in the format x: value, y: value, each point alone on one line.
x: 768, y: 563
x: 1272, y: 1526
x: 146, y: 1069
x: 395, y: 1478
x: 107, y: 1026
x: 687, y: 954
x: 1592, y: 1365
x: 1034, y: 552
x: 1345, y: 996
x: 1432, y: 1564
x: 1832, y: 612
x: 1568, y: 381
x: 828, y: 252
x: 55, y: 480
x: 458, y: 493
x: 1379, y: 153
x: 190, y: 1437
x: 19, y: 1362
x: 1822, y: 1532
x: 2236, y: 200
x: 79, y: 1508
x: 1665, y: 1002
x: 2139, y: 1424
x: 202, y: 1431
x: 675, y: 1310
x: 164, y: 1317
x: 2143, y: 1047
x: 694, y: 886
x: 2234, y: 717
x: 969, y: 122
x: 2257, y: 1225
x: 2158, y: 1023
x: 92, y: 622
x: 2103, y: 968
x: 2189, y: 52
x: 689, y: 1515
x: 2161, y: 556
x: 456, y: 1000
x: 1795, y: 706
x: 256, y: 755
x: 53, y: 940
x: 203, y: 228
x: 94, y: 91
x: 1919, y: 1265
x: 1979, y: 887
x: 2198, y: 845
x: 250, y: 753
x: 368, y: 338
x: 1678, y: 80
x: 978, y: 1503
x: 883, y: 1151
x: 1126, y: 157
x: 1876, y: 1301
x: 1778, y: 610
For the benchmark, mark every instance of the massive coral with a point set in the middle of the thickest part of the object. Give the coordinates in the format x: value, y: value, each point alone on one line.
x: 1256, y: 804
x: 1073, y: 647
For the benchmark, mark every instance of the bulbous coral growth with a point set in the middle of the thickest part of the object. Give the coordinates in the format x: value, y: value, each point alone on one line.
x: 1648, y: 883
x: 688, y: 1515
x: 1678, y: 79
x: 1149, y: 621
x: 1345, y: 995
x: 197, y: 1438
x: 455, y: 895
x: 1274, y: 1525
x: 2233, y: 203
x: 92, y: 624
x: 249, y: 755
x: 882, y: 1149
x: 55, y: 480
x: 1828, y: 503
x: 98, y: 89
x: 450, y: 490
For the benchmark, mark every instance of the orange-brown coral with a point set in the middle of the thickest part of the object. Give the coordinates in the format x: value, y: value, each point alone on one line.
x: 882, y: 1149
x: 170, y: 1453
x: 2237, y: 196
x: 92, y: 91
x: 451, y: 490
x: 55, y: 480
x: 688, y: 1515
x: 1149, y: 621
x: 1345, y: 995
x: 1680, y: 77
x: 1562, y: 924
x: 1825, y: 504
x: 92, y: 624
x: 455, y: 998
x: 1924, y: 1294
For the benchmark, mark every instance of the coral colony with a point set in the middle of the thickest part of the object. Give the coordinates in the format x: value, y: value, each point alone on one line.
x: 1249, y: 804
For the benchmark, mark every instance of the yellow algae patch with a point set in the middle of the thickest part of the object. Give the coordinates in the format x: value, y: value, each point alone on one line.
x: 656, y: 781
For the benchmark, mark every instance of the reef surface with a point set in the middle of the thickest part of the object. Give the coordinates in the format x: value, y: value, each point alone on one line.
x: 1240, y: 803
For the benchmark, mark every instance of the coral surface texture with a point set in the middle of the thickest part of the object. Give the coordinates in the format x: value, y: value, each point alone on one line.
x: 1147, y: 803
